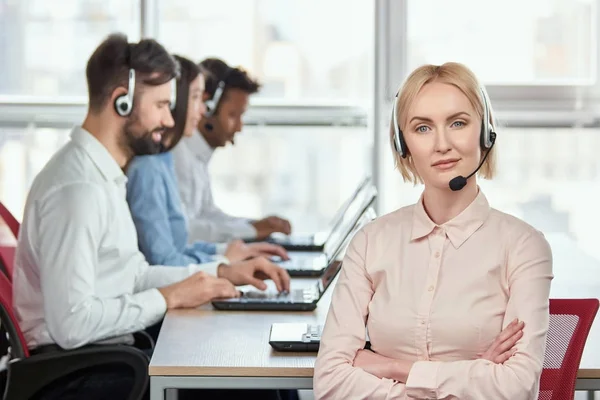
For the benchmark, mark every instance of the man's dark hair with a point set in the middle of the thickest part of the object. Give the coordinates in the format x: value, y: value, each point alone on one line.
x: 189, y: 71
x: 108, y: 67
x: 216, y: 70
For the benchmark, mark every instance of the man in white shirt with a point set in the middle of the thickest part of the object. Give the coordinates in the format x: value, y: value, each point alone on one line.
x: 79, y: 277
x: 227, y: 91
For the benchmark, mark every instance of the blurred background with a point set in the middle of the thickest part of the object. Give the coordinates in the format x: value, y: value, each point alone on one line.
x: 330, y: 69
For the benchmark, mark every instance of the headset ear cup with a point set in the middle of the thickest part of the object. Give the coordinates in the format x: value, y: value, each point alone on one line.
x: 122, y: 105
x: 482, y: 141
x: 403, y: 147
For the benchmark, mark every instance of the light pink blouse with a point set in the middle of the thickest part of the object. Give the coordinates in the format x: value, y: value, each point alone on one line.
x: 438, y: 295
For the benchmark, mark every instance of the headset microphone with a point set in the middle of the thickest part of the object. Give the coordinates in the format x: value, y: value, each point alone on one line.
x: 460, y: 181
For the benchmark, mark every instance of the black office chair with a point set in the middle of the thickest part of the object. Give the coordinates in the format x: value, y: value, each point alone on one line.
x: 28, y: 375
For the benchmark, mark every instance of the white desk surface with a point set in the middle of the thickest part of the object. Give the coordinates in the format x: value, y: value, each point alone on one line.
x: 208, y: 342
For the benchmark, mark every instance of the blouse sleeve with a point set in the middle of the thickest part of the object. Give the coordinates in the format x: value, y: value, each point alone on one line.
x: 343, y: 336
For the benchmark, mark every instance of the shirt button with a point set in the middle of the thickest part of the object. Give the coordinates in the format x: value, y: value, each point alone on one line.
x: 422, y: 322
x: 430, y: 288
x: 437, y: 254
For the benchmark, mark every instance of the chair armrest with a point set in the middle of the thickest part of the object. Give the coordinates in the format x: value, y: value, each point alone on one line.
x: 29, y: 375
x: 143, y: 340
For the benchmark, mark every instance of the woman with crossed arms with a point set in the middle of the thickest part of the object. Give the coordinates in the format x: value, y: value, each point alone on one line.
x: 454, y: 294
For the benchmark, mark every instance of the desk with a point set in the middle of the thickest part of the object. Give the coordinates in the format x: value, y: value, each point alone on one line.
x: 204, y: 348
x: 215, y: 355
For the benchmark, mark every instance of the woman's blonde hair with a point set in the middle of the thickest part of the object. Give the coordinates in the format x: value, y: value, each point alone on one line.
x: 457, y: 75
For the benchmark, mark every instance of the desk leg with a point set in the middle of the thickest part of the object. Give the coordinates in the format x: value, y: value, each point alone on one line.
x: 157, y: 389
x: 172, y: 394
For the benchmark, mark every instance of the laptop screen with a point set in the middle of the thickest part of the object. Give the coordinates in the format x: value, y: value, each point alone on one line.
x: 322, y: 237
x: 336, y: 262
x: 355, y: 209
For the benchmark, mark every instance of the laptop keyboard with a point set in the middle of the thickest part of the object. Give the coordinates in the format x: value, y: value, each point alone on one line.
x: 295, y: 296
x: 301, y: 261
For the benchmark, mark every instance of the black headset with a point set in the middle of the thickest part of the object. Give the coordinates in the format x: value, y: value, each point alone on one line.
x: 212, y: 104
x: 487, y: 137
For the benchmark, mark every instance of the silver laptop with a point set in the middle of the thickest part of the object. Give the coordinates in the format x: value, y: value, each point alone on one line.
x: 304, y: 299
x: 308, y: 263
x: 291, y: 336
x: 317, y: 241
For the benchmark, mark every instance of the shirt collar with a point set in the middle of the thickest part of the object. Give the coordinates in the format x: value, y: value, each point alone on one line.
x: 199, y: 146
x: 99, y: 154
x: 166, y: 158
x: 459, y: 228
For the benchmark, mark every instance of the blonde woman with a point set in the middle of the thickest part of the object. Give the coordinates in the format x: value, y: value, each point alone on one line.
x: 454, y: 294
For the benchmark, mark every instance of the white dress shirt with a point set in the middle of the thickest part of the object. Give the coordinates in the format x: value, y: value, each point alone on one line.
x: 79, y: 277
x: 206, y: 221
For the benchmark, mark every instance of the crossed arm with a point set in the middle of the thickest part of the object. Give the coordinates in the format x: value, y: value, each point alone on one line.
x: 344, y: 370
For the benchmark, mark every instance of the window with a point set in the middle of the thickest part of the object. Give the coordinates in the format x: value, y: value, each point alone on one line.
x: 283, y: 43
x: 318, y: 81
x: 511, y: 42
x: 563, y: 206
x: 23, y: 153
x: 301, y: 173
x: 48, y: 43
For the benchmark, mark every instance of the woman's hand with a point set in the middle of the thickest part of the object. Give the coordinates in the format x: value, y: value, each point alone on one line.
x: 382, y: 366
x: 503, y: 346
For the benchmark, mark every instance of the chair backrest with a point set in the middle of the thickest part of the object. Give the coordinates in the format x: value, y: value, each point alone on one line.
x: 7, y: 260
x: 570, y: 323
x: 10, y: 220
x: 9, y: 323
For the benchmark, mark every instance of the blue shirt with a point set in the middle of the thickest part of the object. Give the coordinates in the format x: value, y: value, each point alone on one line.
x: 153, y: 198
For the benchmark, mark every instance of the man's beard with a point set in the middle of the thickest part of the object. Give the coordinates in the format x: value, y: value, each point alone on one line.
x: 138, y: 142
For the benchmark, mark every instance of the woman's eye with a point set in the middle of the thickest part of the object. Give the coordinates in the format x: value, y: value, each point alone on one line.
x: 458, y: 123
x: 421, y: 129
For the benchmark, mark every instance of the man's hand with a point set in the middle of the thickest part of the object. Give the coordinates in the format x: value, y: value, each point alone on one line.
x: 196, y: 290
x: 272, y: 224
x: 382, y: 366
x: 503, y: 347
x: 237, y: 250
x: 253, y: 272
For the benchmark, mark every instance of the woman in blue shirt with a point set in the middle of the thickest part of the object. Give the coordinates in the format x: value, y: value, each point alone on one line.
x: 153, y: 195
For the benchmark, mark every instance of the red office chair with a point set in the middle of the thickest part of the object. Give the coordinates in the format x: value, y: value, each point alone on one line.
x: 28, y: 375
x: 10, y: 220
x: 7, y: 260
x: 570, y: 323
